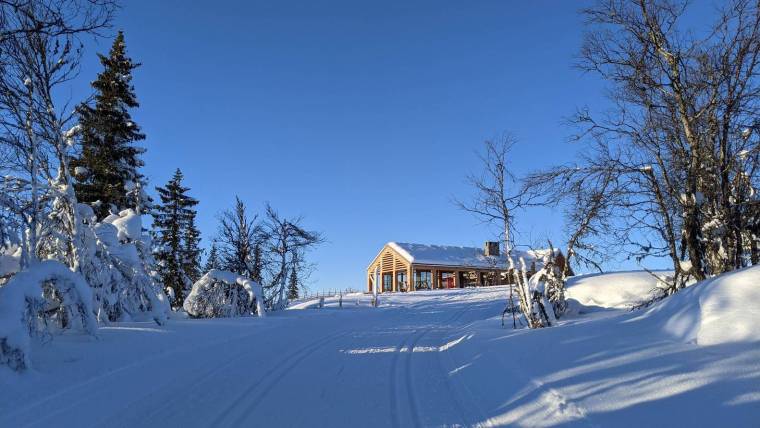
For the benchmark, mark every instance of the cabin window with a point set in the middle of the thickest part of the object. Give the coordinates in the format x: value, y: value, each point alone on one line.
x: 422, y: 279
x: 401, y: 280
x: 387, y: 282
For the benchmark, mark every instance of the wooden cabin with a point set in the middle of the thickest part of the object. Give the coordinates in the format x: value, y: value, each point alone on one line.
x: 408, y: 267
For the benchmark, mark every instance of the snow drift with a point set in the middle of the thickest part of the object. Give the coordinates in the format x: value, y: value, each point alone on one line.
x: 718, y: 310
x: 224, y: 294
x: 618, y: 290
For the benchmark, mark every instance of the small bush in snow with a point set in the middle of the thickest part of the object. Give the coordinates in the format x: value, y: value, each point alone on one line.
x: 41, y: 301
x: 223, y: 294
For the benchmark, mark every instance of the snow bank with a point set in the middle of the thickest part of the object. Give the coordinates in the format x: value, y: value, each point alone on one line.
x: 223, y: 294
x: 38, y: 300
x: 719, y: 310
x: 619, y: 290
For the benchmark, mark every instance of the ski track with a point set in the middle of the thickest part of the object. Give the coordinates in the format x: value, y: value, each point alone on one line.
x: 409, y: 373
x: 270, y: 379
x: 85, y: 391
x: 185, y: 386
x: 209, y: 371
x: 395, y: 390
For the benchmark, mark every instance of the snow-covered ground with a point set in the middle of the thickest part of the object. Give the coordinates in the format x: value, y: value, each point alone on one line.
x: 421, y: 359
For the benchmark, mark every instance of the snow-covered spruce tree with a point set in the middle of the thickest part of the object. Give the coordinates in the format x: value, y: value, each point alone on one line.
x: 129, y: 250
x: 173, y: 223
x: 107, y: 169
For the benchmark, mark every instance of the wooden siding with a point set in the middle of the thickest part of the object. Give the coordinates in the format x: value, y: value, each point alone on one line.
x: 389, y: 261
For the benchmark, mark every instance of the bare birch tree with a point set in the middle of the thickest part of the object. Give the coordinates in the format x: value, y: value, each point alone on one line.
x: 675, y: 158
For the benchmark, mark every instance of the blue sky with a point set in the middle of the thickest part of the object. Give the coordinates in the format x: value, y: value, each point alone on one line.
x: 364, y: 117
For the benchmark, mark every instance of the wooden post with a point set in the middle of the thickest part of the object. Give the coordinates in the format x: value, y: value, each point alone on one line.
x: 433, y: 278
x: 456, y: 279
x: 409, y: 279
x: 394, y: 281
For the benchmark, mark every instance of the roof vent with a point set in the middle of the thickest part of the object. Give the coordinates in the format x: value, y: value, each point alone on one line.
x: 491, y: 248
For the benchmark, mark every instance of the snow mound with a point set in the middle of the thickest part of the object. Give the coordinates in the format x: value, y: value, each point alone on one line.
x: 618, y: 290
x: 224, y: 294
x: 718, y: 310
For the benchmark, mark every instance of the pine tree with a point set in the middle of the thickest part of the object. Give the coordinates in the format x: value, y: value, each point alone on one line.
x: 257, y: 263
x: 212, y: 262
x: 107, y: 167
x: 173, y: 221
x: 191, y: 249
x: 293, y: 283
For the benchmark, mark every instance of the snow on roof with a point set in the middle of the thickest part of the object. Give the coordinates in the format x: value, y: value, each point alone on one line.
x: 448, y: 255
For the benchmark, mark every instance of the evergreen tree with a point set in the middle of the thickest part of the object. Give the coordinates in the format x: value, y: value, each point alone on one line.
x: 293, y: 283
x: 191, y: 249
x: 257, y: 263
x: 212, y: 262
x: 107, y: 167
x: 173, y: 221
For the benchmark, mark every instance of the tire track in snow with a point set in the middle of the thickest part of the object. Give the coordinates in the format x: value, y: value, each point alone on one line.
x: 269, y: 380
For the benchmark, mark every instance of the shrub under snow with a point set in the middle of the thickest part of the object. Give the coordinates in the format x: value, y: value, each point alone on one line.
x: 117, y: 266
x: 223, y: 294
x: 41, y: 301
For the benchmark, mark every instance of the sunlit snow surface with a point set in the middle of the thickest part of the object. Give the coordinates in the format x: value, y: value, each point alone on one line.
x: 435, y: 358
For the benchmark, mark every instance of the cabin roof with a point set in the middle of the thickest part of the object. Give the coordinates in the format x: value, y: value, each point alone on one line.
x: 449, y: 255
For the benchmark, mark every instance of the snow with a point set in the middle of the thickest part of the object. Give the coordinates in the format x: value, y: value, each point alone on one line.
x: 128, y: 225
x: 426, y: 358
x: 10, y: 259
x: 208, y: 300
x: 450, y: 255
x: 619, y: 290
x: 24, y: 293
x: 718, y: 311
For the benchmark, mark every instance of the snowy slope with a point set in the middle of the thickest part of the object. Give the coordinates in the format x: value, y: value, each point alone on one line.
x: 428, y: 358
